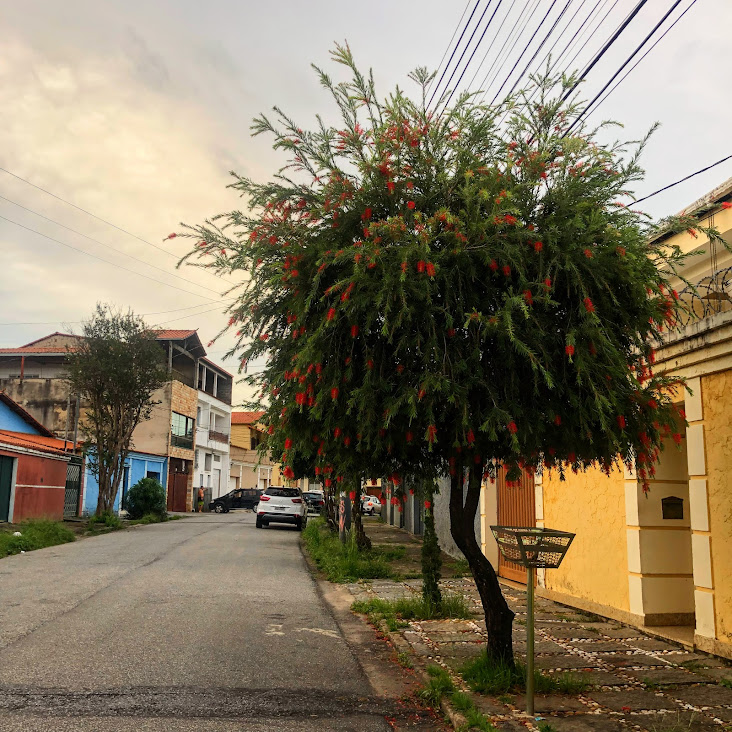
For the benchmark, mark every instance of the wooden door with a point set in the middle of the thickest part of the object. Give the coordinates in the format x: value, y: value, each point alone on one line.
x: 6, y: 486
x: 516, y: 507
x: 177, y: 492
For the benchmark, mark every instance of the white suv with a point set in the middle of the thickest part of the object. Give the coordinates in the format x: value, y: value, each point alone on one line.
x: 282, y: 506
x: 370, y: 505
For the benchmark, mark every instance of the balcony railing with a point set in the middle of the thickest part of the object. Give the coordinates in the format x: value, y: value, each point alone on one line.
x: 181, y: 441
x: 218, y: 436
x: 711, y: 295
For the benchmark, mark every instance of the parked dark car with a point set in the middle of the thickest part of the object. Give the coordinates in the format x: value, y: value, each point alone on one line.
x: 315, y: 501
x: 239, y: 498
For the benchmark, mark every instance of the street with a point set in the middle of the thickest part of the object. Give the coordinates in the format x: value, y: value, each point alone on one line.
x: 200, y: 624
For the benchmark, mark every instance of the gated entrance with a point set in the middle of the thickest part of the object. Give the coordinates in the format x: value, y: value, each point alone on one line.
x: 516, y: 507
x: 6, y: 486
x: 73, y: 487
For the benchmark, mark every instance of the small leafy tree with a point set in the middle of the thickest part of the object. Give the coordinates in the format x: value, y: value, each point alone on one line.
x: 446, y: 294
x: 146, y: 496
x: 115, y: 369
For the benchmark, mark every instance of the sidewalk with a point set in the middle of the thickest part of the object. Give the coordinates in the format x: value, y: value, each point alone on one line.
x: 633, y: 681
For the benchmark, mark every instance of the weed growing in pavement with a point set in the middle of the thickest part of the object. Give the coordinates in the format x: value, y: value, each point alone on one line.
x: 438, y: 685
x: 404, y: 659
x: 475, y: 718
x: 487, y: 676
x: 727, y: 683
x: 679, y: 724
x: 546, y: 727
x: 346, y: 562
x: 34, y: 534
x: 151, y: 518
x: 461, y: 568
x: 412, y: 608
x: 650, y: 684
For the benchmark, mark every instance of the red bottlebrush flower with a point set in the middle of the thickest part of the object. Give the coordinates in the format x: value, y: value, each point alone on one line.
x: 557, y: 420
x: 510, y: 220
x: 404, y: 267
x: 337, y: 432
x: 450, y: 332
x: 538, y: 246
x: 318, y: 368
x: 288, y: 443
x: 328, y: 482
x: 569, y: 350
x: 288, y: 473
x: 421, y: 394
x: 494, y: 265
x: 264, y: 337
x: 653, y: 404
x: 620, y: 251
x: 512, y: 428
x: 547, y: 283
x: 528, y: 297
x: 428, y: 505
x: 675, y: 294
x: 370, y: 363
x: 334, y: 393
x: 270, y: 430
x: 170, y: 236
x: 677, y: 438
x: 366, y: 214
x: 409, y: 436
x: 411, y: 205
x: 431, y: 433
x: 621, y: 421
x: 430, y: 269
x: 727, y: 204
x: 354, y: 331
x: 593, y: 350
x: 331, y: 314
x: 390, y: 186
x: 507, y: 270
x: 346, y: 441
x: 410, y: 185
x: 421, y: 266
x: 589, y: 307
x: 588, y: 253
x: 352, y: 495
x: 470, y: 437
x: 300, y: 397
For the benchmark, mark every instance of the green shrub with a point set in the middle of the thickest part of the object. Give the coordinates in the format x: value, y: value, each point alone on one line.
x: 107, y: 518
x: 35, y: 534
x: 147, y: 496
x: 414, y: 608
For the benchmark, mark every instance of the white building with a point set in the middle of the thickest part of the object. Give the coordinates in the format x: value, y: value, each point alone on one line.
x: 213, y: 429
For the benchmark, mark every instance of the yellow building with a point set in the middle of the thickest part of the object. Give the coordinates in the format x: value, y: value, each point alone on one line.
x: 662, y: 559
x: 248, y: 468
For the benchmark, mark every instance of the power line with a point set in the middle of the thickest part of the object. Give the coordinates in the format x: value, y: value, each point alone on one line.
x: 106, y: 261
x: 682, y: 180
x: 589, y: 38
x: 477, y: 45
x: 625, y: 63
x: 109, y: 246
x: 447, y: 48
x: 89, y: 213
x: 457, y: 45
x: 619, y: 81
x: 526, y: 47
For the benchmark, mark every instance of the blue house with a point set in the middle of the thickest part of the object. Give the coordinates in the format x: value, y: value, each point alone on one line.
x: 137, y: 466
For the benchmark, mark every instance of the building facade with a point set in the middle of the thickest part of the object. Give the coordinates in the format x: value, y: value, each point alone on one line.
x: 248, y: 468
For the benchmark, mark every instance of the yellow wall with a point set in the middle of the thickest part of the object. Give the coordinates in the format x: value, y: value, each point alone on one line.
x: 716, y: 394
x: 592, y: 506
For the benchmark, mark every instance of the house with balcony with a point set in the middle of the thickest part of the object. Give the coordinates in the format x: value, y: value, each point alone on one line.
x: 248, y: 468
x: 213, y: 430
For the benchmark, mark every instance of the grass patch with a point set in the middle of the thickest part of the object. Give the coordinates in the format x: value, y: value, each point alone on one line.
x: 438, y: 685
x: 487, y: 676
x: 397, y: 612
x: 461, y: 568
x: 345, y: 562
x: 149, y: 518
x: 35, y: 534
x: 404, y: 659
x: 546, y: 727
x: 108, y: 519
x: 727, y: 683
x: 475, y: 718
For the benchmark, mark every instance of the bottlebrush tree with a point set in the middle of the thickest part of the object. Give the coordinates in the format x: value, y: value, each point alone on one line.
x: 441, y: 294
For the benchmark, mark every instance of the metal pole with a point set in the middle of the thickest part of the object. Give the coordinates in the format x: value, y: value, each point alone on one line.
x: 530, y: 641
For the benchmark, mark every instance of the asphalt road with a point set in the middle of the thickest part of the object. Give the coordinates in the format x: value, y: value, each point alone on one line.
x: 200, y: 624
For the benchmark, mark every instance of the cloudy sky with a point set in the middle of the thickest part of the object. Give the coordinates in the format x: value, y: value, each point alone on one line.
x: 136, y: 110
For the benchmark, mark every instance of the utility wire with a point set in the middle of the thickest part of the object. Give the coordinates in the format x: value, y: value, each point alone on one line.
x: 526, y: 47
x: 89, y: 213
x: 590, y: 37
x: 467, y: 46
x: 619, y: 81
x: 106, y: 261
x: 447, y: 48
x: 625, y: 63
x: 109, y: 246
x: 457, y: 45
x: 682, y: 180
x: 480, y: 40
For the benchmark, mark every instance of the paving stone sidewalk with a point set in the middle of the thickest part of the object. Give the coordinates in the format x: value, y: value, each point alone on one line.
x: 634, y: 681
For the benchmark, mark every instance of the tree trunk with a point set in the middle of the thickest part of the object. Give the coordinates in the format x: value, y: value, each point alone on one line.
x: 498, y: 616
x: 330, y: 510
x: 362, y: 541
x: 431, y: 559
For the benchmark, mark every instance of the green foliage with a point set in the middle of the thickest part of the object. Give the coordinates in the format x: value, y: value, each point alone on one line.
x: 343, y: 562
x: 150, y: 518
x: 115, y: 369
x: 727, y: 683
x: 461, y: 568
x: 404, y: 659
x: 431, y: 559
x: 35, y: 534
x: 488, y: 676
x: 108, y: 519
x: 147, y: 496
x: 546, y: 727
x: 414, y: 608
x: 438, y: 684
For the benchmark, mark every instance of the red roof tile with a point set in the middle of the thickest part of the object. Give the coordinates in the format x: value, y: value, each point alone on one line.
x: 246, y: 417
x: 35, y: 442
x: 36, y: 349
x: 173, y: 335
